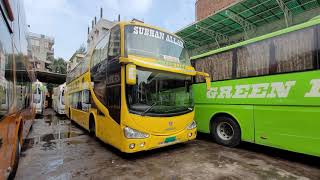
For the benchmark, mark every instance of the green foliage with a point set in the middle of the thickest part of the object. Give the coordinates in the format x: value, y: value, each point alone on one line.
x: 59, y: 66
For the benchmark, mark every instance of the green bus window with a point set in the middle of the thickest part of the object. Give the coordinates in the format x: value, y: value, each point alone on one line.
x: 219, y: 66
x: 253, y: 59
x: 294, y: 51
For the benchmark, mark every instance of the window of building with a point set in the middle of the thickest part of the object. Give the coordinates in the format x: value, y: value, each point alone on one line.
x: 35, y: 42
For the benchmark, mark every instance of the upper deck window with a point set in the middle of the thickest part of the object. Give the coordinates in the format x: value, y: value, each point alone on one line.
x: 153, y: 43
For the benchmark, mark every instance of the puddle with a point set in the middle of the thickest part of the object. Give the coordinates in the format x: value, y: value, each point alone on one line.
x: 53, y: 120
x: 47, y: 140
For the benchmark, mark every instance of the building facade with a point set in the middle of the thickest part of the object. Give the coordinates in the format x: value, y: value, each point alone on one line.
x: 74, y: 60
x: 42, y: 51
x: 98, y: 30
x: 204, y: 8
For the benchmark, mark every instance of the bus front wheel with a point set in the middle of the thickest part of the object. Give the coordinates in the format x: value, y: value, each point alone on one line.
x: 226, y: 131
x: 69, y: 113
x: 16, y: 159
x: 92, y: 127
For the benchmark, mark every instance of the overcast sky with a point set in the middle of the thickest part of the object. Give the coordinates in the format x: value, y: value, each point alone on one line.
x: 67, y: 20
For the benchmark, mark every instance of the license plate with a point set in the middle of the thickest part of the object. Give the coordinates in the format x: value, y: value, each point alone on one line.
x: 170, y: 139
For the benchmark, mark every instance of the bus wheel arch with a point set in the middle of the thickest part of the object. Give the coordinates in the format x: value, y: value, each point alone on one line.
x: 92, y: 125
x: 17, y: 151
x: 70, y: 113
x: 225, y: 129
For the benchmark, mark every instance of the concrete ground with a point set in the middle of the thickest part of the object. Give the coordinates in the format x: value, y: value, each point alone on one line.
x: 58, y: 149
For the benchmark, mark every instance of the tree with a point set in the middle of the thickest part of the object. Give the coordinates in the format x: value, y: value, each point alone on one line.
x: 59, y: 66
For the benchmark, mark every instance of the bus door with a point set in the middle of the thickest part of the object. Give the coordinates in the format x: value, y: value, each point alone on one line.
x: 77, y: 113
x: 85, y: 106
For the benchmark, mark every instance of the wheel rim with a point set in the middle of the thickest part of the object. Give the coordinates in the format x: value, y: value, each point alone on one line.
x: 225, y: 131
x: 19, y: 148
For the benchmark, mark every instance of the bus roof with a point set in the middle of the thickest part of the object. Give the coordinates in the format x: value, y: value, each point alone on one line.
x: 260, y: 38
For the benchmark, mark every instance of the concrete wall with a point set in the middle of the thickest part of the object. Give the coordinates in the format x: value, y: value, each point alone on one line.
x: 74, y: 60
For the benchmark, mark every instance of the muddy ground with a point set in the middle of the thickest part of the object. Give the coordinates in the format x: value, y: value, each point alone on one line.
x: 58, y: 149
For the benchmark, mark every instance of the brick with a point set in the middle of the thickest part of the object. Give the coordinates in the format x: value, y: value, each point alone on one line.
x: 204, y: 8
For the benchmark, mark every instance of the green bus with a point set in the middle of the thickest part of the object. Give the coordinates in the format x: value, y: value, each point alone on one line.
x: 265, y: 90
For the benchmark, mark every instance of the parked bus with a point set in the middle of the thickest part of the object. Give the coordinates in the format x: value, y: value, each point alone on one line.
x: 39, y: 94
x: 58, y: 99
x: 133, y: 90
x: 16, y: 77
x: 266, y: 91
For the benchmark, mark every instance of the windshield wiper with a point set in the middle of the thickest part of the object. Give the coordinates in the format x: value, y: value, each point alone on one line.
x: 149, y: 108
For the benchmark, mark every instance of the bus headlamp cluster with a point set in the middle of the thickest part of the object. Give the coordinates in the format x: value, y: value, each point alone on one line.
x: 134, y: 134
x: 192, y: 125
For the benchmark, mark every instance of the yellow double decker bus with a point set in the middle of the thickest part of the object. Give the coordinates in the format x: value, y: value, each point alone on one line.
x: 133, y: 91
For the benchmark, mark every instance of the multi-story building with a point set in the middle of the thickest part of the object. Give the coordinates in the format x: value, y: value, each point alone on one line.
x: 42, y: 51
x: 74, y: 60
x: 98, y: 29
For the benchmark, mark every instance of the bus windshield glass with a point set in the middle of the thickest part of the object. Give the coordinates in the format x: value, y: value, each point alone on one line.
x: 160, y: 93
x: 37, y: 95
x: 152, y: 43
x: 62, y: 97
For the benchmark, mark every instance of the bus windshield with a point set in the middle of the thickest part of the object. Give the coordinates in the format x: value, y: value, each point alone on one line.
x: 37, y: 95
x: 152, y: 43
x: 160, y: 93
x: 62, y: 97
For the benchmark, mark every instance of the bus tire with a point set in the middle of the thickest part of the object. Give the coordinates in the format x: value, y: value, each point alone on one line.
x: 92, y: 126
x: 70, y: 113
x: 16, y: 160
x: 226, y: 131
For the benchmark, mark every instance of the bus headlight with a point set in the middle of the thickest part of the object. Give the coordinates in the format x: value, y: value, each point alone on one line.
x: 134, y: 134
x: 192, y: 125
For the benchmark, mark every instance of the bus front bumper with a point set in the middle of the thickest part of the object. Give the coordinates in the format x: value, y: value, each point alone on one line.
x: 38, y: 110
x: 61, y: 111
x: 157, y: 141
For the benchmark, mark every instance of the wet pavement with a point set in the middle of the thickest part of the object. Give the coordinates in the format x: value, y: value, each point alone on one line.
x: 59, y: 149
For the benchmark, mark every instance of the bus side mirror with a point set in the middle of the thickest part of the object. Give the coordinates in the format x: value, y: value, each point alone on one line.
x: 206, y: 77
x: 131, y: 74
x: 208, y: 83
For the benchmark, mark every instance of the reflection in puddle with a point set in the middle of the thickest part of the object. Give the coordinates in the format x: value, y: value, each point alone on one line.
x: 47, y: 140
x: 53, y: 120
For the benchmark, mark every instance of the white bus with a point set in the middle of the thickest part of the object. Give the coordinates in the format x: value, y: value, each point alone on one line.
x: 58, y: 99
x: 39, y: 94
